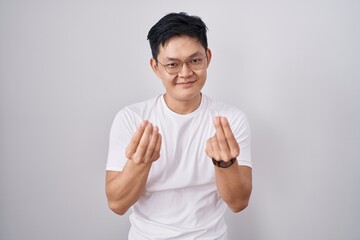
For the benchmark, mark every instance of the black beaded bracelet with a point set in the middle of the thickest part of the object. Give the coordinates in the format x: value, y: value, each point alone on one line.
x: 223, y: 164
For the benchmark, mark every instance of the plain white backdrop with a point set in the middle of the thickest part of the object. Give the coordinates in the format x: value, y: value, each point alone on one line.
x: 67, y: 67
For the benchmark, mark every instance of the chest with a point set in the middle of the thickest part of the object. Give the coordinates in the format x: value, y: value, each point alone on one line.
x: 183, y: 162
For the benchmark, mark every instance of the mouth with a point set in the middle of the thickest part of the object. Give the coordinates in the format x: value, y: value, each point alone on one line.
x: 186, y: 84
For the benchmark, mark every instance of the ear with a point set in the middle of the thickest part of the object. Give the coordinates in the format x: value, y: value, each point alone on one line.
x: 155, y: 67
x: 209, y: 55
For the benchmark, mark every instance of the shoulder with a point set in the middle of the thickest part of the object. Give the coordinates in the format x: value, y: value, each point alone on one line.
x: 220, y: 108
x: 129, y: 117
x: 140, y: 109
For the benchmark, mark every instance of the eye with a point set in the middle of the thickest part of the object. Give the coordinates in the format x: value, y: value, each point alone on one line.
x: 195, y: 60
x: 172, y: 65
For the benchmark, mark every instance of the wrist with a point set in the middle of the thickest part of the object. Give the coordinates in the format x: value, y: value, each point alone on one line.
x: 138, y: 166
x: 223, y: 164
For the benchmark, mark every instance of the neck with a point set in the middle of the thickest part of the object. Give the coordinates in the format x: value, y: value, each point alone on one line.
x: 183, y: 106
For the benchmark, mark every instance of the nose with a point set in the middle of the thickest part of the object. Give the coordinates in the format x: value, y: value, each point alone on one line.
x: 185, y: 71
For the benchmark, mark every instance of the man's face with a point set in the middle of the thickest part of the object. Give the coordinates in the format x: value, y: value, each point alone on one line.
x: 186, y: 85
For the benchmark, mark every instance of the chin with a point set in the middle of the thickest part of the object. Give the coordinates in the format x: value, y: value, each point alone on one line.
x: 188, y: 96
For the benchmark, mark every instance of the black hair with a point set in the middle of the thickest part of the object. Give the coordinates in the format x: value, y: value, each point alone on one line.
x: 176, y: 24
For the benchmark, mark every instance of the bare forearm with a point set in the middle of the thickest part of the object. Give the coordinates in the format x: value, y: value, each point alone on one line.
x: 125, y: 188
x: 234, y: 185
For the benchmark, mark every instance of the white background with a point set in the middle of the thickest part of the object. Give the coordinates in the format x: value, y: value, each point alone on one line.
x: 67, y: 67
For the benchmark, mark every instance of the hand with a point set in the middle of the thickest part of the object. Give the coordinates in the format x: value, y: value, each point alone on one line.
x: 223, y: 145
x: 144, y: 146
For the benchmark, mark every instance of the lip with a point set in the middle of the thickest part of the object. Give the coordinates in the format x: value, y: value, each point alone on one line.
x: 186, y: 84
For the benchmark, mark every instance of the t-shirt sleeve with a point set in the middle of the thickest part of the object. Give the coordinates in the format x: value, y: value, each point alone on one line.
x: 241, y: 129
x: 122, y: 130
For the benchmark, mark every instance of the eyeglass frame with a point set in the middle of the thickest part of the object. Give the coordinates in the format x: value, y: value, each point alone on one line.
x: 205, y: 57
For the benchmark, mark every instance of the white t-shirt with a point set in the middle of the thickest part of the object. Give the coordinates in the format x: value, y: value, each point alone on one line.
x: 180, y: 199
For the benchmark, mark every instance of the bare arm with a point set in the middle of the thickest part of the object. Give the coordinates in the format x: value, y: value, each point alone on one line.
x: 124, y: 188
x: 234, y: 183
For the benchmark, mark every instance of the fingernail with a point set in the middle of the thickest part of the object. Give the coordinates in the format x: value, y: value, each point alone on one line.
x: 142, y: 124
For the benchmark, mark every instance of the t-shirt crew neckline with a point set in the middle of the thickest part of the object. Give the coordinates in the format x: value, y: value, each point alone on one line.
x: 188, y: 115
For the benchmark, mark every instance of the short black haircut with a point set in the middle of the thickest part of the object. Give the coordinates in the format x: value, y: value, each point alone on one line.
x: 176, y: 24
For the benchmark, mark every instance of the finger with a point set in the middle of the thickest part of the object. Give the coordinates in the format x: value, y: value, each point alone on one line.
x: 208, y: 149
x: 216, y: 149
x: 134, y: 142
x: 226, y: 128
x: 231, y: 141
x: 220, y: 135
x: 152, y: 144
x: 143, y: 144
x: 156, y: 153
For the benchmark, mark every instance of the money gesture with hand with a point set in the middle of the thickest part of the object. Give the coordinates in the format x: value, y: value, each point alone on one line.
x: 144, y: 147
x: 223, y: 145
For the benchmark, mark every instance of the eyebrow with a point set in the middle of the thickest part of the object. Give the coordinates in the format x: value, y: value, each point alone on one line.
x: 176, y: 59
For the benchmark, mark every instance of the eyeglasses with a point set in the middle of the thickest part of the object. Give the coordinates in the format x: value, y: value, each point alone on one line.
x: 175, y: 66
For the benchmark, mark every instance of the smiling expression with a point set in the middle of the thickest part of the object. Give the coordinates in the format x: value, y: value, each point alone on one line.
x: 184, y: 89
